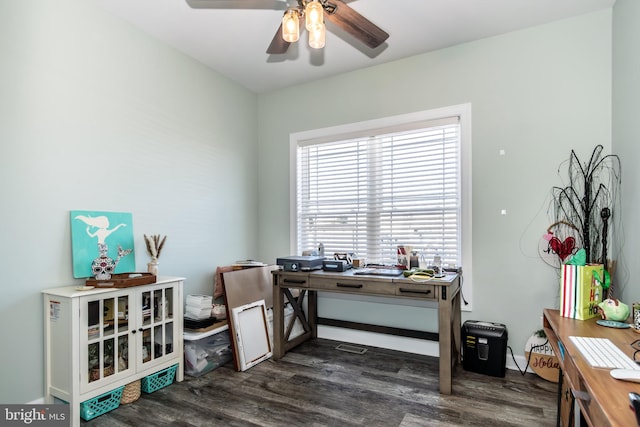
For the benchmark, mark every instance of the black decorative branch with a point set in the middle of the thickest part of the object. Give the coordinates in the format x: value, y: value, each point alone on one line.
x: 588, y: 199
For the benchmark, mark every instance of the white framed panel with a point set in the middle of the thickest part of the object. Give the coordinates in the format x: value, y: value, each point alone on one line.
x: 251, y: 334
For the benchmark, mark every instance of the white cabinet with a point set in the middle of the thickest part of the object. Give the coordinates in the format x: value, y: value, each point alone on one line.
x: 100, y: 339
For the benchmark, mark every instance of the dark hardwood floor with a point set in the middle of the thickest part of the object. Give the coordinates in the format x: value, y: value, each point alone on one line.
x: 317, y: 385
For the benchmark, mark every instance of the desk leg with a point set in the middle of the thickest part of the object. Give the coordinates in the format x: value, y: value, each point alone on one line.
x: 559, y: 403
x: 278, y: 320
x: 449, y: 336
x: 444, y: 328
x: 312, y: 311
x: 457, y: 328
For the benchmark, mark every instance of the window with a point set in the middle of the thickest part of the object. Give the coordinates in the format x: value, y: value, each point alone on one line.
x: 371, y: 186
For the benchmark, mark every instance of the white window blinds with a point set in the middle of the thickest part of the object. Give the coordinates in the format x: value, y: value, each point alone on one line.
x: 398, y: 186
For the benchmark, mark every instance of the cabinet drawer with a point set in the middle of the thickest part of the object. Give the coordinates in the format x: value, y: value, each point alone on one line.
x: 353, y: 285
x: 582, y: 395
x: 293, y: 280
x: 570, y: 371
x: 416, y: 290
x: 592, y: 412
x: 565, y: 403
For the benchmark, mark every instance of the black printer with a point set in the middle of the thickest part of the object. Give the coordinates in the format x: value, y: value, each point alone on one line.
x: 300, y: 263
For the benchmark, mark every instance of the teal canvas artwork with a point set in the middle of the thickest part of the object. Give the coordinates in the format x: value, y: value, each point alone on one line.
x: 101, y: 243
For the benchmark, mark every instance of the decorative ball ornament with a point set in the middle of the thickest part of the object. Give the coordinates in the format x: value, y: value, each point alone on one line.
x: 559, y: 243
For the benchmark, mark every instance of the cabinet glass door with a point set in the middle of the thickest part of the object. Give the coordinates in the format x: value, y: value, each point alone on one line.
x: 157, y: 323
x: 122, y: 326
x: 107, y: 336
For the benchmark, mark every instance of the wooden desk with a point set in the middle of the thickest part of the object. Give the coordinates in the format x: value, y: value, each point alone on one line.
x: 445, y: 291
x: 603, y: 400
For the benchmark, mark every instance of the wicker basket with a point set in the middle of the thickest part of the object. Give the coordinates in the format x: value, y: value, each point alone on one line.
x: 131, y: 393
x: 94, y: 374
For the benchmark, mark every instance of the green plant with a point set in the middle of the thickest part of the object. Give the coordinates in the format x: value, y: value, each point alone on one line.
x: 540, y: 333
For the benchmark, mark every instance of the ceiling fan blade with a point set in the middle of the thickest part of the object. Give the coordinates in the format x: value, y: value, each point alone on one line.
x: 237, y: 4
x: 278, y: 45
x: 357, y: 25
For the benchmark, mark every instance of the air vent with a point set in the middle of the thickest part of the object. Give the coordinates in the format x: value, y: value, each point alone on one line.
x: 351, y: 349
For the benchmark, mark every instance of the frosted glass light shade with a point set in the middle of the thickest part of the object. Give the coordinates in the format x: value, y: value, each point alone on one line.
x: 291, y: 26
x: 314, y: 16
x: 317, y: 37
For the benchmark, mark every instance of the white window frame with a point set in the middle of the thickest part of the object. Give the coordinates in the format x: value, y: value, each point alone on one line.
x: 463, y: 111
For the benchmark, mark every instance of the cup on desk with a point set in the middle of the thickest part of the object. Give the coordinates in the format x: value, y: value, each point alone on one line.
x: 636, y: 315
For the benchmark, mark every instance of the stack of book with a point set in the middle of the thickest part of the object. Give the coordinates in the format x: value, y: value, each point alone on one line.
x: 198, y: 307
x: 93, y: 331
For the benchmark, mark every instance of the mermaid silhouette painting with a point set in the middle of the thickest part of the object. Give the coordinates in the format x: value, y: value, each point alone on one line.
x: 94, y: 235
x: 101, y: 226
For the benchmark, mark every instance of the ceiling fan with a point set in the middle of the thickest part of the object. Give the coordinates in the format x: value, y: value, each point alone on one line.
x: 335, y: 11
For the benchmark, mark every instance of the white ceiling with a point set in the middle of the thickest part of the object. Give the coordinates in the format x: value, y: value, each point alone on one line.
x: 231, y: 36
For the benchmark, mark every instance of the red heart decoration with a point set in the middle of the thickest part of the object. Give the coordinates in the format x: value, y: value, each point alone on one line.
x: 562, y: 249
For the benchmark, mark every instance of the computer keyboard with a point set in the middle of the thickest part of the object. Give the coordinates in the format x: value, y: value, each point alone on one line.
x: 602, y: 353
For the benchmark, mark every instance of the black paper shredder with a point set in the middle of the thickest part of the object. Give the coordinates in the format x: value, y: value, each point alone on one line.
x: 484, y: 347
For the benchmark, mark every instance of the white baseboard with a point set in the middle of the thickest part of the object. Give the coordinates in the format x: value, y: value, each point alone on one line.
x: 394, y: 342
x: 520, y: 359
x: 373, y: 339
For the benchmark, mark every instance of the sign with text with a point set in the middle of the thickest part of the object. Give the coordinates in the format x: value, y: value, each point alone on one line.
x: 35, y: 415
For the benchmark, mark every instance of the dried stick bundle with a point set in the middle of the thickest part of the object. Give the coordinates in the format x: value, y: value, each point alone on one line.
x: 154, y: 244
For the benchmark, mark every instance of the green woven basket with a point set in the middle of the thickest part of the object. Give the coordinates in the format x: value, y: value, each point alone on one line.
x: 160, y: 379
x: 101, y: 404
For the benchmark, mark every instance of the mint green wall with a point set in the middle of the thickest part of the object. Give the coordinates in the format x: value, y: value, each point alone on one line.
x: 98, y: 116
x: 536, y: 93
x: 626, y: 136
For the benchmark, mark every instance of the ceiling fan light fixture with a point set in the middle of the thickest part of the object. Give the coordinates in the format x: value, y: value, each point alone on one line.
x: 317, y: 37
x: 314, y: 15
x: 291, y: 25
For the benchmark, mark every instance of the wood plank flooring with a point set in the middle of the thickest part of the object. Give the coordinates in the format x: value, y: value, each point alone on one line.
x: 317, y: 385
